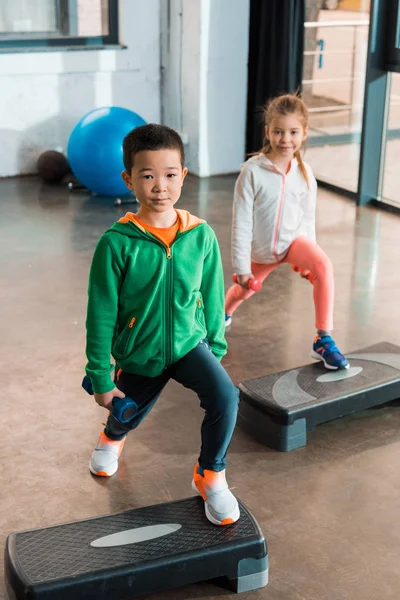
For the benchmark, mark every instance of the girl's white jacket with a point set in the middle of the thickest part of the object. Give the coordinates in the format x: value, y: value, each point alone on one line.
x: 270, y: 210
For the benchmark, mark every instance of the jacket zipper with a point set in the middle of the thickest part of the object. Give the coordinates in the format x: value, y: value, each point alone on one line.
x: 168, y: 347
x: 168, y: 294
x: 278, y: 221
x: 168, y: 343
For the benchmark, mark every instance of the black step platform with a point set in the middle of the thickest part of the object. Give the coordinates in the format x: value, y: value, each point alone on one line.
x: 279, y: 409
x: 136, y: 552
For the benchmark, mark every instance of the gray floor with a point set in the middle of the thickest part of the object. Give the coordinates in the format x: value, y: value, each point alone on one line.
x: 329, y: 510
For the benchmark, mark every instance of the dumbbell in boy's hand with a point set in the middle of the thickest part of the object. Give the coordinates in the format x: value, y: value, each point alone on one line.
x: 120, y: 406
x: 106, y: 400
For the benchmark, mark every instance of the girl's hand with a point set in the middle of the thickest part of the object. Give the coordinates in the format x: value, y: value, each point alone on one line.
x: 305, y: 273
x: 105, y: 400
x: 243, y: 279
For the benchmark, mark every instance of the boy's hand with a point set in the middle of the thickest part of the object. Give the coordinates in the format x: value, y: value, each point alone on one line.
x: 105, y: 400
x: 243, y: 279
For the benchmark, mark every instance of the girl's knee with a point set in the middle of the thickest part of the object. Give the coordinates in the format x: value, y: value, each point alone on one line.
x: 323, y: 267
x: 243, y: 293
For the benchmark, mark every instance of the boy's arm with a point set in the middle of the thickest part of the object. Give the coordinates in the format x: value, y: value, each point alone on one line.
x: 102, y: 313
x: 242, y: 223
x: 212, y: 291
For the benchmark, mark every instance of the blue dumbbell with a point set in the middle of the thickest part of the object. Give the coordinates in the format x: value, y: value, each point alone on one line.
x: 124, y: 409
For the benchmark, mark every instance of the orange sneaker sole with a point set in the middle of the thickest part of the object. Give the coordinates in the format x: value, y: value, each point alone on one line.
x: 102, y: 474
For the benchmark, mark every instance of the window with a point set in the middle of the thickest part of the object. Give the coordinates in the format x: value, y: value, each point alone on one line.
x: 351, y: 82
x: 27, y: 24
x: 336, y: 39
x: 390, y: 164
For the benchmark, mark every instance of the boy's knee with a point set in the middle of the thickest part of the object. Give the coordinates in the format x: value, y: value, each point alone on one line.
x: 227, y: 399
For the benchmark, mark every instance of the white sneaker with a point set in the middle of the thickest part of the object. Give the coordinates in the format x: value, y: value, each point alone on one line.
x: 228, y: 321
x: 220, y: 504
x: 104, y: 459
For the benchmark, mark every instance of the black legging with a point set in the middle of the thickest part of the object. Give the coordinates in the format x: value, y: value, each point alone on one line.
x: 201, y: 372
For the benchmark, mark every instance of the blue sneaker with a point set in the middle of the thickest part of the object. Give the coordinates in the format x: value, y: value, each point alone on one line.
x: 228, y: 321
x: 326, y: 350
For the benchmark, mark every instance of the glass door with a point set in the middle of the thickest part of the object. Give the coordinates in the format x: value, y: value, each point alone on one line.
x: 336, y: 44
x: 390, y: 176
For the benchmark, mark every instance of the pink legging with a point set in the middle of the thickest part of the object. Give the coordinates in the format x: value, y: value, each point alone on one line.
x: 304, y: 254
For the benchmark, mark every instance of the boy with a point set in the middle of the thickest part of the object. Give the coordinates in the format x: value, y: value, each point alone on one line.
x: 156, y: 304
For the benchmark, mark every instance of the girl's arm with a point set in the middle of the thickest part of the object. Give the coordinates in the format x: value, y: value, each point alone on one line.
x: 309, y: 216
x: 242, y: 223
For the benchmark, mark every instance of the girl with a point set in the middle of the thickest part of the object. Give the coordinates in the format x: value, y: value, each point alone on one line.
x: 274, y: 221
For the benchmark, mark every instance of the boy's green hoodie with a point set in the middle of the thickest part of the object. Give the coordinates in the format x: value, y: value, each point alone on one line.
x: 149, y: 305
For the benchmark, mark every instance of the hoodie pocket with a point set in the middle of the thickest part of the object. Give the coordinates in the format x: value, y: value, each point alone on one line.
x: 199, y: 314
x: 122, y: 343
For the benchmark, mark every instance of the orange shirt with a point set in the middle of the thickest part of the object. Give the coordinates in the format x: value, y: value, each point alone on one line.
x: 166, y: 235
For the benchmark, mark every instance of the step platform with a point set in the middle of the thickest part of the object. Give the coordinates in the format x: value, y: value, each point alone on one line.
x: 281, y: 408
x: 136, y: 552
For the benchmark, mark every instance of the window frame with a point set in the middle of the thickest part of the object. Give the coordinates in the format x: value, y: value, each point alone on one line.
x: 66, y: 11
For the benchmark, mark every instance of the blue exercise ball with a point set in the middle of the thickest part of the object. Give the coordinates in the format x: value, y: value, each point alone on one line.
x: 95, y: 149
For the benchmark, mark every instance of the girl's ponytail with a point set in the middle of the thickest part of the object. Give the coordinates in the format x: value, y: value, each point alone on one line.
x: 302, y: 166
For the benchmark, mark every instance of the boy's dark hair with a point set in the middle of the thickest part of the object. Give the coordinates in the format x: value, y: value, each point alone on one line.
x: 151, y: 137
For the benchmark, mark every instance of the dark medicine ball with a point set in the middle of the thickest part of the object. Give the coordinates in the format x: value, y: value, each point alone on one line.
x: 52, y: 166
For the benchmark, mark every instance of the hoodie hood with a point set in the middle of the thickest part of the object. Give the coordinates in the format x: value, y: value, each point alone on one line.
x: 129, y: 224
x: 262, y: 161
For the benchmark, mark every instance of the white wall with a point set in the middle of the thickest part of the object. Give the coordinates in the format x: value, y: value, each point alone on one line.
x: 205, y: 81
x: 171, y: 63
x: 223, y: 85
x: 43, y: 94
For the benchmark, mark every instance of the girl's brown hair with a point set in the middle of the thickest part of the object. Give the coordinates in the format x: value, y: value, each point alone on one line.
x: 288, y: 104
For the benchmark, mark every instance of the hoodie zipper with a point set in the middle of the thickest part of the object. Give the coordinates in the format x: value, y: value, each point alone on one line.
x: 168, y: 295
x: 168, y: 339
x: 168, y: 342
x: 278, y: 221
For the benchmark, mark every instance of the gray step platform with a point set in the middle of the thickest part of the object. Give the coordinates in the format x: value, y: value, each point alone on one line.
x: 279, y: 409
x: 136, y: 552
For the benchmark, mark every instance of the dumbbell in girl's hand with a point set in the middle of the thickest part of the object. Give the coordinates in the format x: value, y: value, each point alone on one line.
x: 252, y: 284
